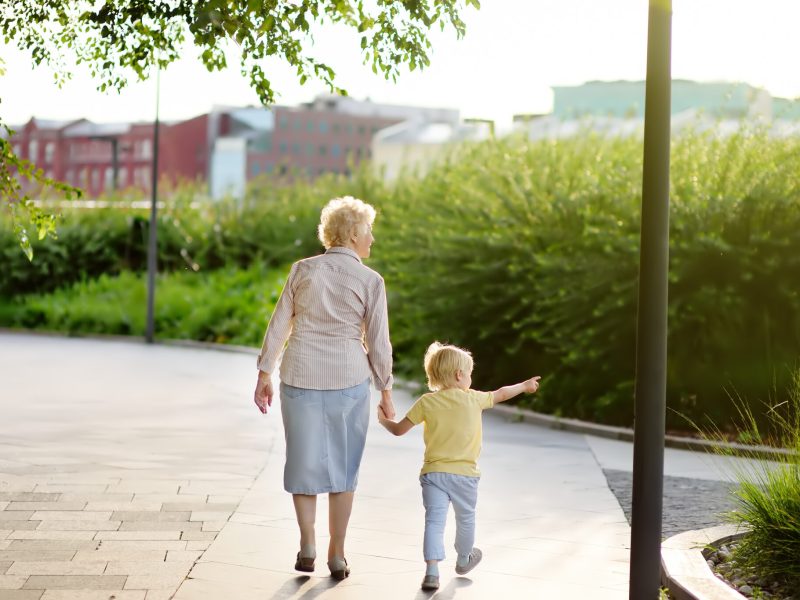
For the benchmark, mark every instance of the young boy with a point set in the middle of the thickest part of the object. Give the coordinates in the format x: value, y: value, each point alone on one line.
x: 452, y: 416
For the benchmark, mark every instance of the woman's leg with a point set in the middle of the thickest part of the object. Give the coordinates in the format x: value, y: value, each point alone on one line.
x: 340, y: 505
x: 305, y: 507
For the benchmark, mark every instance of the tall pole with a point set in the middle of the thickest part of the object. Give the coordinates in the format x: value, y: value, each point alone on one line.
x: 152, y: 247
x: 651, y: 327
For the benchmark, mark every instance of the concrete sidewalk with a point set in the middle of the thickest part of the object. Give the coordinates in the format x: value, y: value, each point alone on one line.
x: 147, y: 473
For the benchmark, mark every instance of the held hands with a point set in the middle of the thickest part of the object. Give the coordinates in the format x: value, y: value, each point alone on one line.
x: 531, y: 385
x: 263, y: 394
x: 382, y: 418
x: 386, y: 406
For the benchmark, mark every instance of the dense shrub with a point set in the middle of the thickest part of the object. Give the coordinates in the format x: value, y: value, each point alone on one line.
x: 274, y: 224
x: 527, y: 253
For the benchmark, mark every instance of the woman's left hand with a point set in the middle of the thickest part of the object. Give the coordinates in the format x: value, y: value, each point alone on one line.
x: 386, y: 404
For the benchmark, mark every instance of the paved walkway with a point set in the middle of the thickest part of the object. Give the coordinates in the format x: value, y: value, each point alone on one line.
x: 145, y: 473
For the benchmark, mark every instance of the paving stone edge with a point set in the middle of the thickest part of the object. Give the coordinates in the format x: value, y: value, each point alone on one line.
x: 684, y: 570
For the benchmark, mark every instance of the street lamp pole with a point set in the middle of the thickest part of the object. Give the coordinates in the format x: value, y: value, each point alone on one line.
x: 152, y: 247
x: 651, y: 327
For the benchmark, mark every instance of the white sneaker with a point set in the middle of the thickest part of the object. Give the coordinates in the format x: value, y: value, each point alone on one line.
x: 474, y: 558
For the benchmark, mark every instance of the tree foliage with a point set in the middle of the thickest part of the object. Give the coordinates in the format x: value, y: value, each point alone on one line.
x: 117, y: 39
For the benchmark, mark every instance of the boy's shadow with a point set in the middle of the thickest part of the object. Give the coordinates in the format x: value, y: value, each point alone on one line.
x: 295, y: 584
x: 447, y: 593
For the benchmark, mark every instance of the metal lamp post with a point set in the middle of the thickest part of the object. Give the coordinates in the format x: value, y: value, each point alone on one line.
x: 651, y: 327
x: 152, y: 247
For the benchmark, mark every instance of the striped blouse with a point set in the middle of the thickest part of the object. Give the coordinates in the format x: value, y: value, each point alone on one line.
x: 333, y: 312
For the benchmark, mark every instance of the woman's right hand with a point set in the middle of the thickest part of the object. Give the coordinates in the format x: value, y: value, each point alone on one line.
x: 263, y: 394
x: 386, y: 404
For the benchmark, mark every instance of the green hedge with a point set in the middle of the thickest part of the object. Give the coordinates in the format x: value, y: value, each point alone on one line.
x: 274, y: 224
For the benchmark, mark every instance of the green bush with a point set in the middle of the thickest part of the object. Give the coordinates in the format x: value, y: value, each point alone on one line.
x: 274, y: 224
x: 527, y: 253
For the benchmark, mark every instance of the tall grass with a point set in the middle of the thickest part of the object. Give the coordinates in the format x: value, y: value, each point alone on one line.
x: 768, y: 496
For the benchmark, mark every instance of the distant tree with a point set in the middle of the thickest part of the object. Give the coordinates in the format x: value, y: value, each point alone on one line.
x: 118, y: 39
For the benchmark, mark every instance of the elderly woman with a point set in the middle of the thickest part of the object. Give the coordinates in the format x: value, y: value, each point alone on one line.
x: 332, y: 311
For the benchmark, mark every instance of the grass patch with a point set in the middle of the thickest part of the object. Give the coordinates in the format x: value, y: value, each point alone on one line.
x: 229, y: 305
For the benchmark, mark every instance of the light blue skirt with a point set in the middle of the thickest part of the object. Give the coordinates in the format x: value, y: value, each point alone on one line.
x: 325, y: 435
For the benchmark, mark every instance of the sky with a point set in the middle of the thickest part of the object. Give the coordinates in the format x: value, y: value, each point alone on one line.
x: 514, y: 52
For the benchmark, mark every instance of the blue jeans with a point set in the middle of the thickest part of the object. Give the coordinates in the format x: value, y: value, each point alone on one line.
x: 438, y: 491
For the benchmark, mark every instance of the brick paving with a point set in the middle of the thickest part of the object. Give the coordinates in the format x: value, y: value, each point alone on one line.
x: 144, y: 473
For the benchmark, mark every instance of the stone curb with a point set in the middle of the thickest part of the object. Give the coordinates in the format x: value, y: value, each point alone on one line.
x: 684, y: 570
x: 513, y: 412
x: 625, y: 434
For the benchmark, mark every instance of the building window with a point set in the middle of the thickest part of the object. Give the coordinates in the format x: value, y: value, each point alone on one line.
x: 95, y: 179
x: 33, y: 150
x: 146, y: 149
x: 49, y: 152
x: 323, y: 150
x: 310, y: 126
x: 254, y: 169
x: 284, y: 121
x: 336, y: 150
x: 68, y: 176
x: 323, y: 127
x: 296, y: 150
x: 310, y: 149
x: 123, y: 176
x: 362, y: 130
x: 284, y: 148
x: 17, y: 149
x: 335, y: 128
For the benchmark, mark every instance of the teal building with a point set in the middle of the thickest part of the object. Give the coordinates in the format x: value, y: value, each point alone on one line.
x: 625, y: 99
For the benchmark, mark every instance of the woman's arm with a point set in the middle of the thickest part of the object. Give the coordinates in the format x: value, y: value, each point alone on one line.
x: 379, y: 348
x: 280, y: 326
x: 278, y: 330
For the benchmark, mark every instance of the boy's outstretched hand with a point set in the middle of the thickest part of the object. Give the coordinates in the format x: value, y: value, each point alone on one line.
x: 531, y: 385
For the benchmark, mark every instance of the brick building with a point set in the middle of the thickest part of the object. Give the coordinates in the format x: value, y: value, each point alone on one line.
x: 225, y: 148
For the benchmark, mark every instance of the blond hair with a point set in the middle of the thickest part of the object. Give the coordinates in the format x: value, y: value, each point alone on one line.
x: 341, y: 217
x: 442, y: 361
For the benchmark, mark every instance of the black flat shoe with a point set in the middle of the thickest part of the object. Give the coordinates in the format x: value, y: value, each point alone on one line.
x: 304, y: 563
x: 339, y: 568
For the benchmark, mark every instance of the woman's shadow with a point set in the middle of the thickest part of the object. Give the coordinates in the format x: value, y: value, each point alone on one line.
x: 294, y: 585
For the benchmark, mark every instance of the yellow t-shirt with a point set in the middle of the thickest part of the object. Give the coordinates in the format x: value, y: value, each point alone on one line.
x: 453, y: 429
